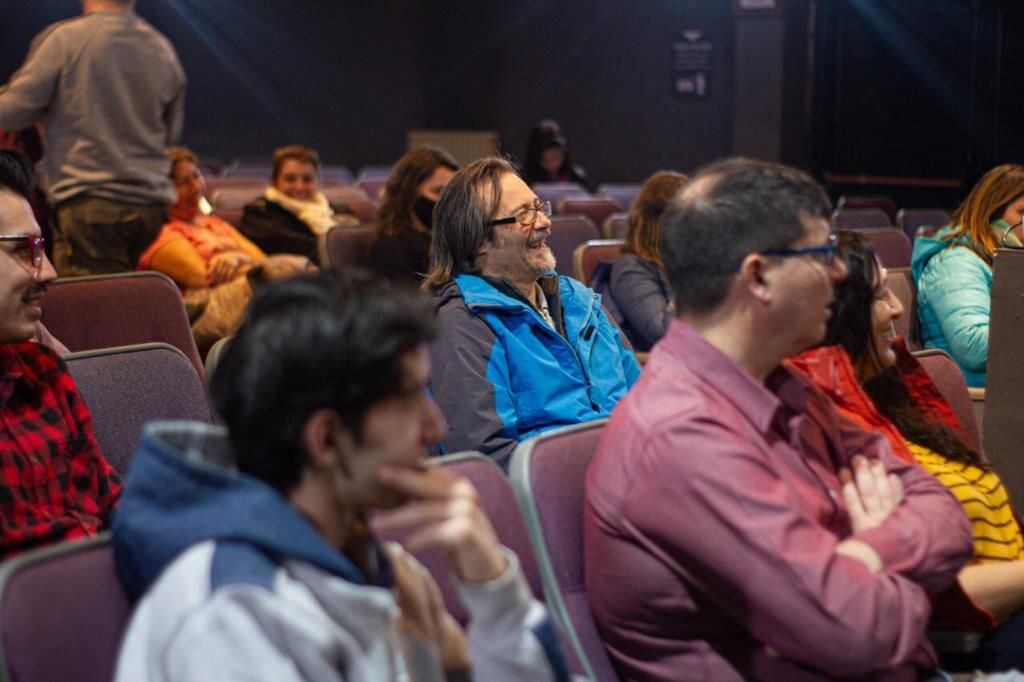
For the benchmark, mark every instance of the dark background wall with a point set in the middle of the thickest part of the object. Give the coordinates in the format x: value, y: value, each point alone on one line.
x: 351, y: 78
x: 906, y: 88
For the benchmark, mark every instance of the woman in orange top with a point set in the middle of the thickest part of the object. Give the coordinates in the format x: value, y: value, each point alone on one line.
x: 215, y: 266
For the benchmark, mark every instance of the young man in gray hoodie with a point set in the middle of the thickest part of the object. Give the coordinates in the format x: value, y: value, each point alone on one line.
x: 253, y: 547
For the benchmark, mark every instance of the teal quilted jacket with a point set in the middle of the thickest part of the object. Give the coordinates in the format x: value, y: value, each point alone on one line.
x: 954, y: 293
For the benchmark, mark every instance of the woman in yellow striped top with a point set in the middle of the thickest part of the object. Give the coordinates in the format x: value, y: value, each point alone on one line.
x: 891, y: 393
x: 997, y: 535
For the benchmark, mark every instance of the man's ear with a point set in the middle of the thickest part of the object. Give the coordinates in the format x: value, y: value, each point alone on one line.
x: 755, y: 277
x: 327, y: 441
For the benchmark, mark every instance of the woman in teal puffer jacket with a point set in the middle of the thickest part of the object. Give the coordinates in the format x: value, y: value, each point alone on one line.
x: 953, y: 269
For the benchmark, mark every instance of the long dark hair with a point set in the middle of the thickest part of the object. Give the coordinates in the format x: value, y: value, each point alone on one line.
x: 395, y: 216
x: 851, y: 327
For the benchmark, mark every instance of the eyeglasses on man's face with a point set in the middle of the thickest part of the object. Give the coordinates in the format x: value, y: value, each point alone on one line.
x: 29, y: 249
x: 824, y: 254
x: 527, y: 217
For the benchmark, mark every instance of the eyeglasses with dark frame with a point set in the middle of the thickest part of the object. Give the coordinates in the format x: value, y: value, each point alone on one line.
x: 527, y: 217
x: 824, y: 254
x: 36, y: 247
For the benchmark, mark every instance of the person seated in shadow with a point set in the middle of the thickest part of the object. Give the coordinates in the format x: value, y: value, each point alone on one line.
x: 400, y: 249
x: 293, y: 214
x: 638, y: 286
x: 872, y: 378
x: 952, y: 270
x: 215, y: 266
x: 549, y: 157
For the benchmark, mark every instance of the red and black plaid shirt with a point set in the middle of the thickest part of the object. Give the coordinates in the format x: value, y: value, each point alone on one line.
x: 54, y: 482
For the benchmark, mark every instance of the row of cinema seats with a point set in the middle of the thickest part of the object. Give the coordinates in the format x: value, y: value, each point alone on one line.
x: 537, y: 512
x: 590, y: 254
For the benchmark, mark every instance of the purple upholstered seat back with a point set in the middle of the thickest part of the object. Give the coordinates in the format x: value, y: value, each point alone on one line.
x: 347, y: 247
x: 128, y: 387
x: 596, y: 208
x: 891, y: 245
x: 859, y: 218
x: 568, y: 232
x: 548, y: 473
x: 62, y: 614
x: 104, y: 311
x: 950, y: 382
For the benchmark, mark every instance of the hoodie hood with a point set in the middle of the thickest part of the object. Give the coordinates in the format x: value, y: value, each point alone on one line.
x: 183, y: 488
x: 927, y: 247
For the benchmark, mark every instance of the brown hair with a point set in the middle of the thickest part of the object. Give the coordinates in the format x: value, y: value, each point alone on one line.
x: 987, y: 202
x: 462, y: 219
x: 179, y: 154
x: 295, y: 152
x: 644, y: 235
x: 400, y: 193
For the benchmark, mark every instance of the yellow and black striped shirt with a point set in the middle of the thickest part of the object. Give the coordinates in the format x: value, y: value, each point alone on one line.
x: 997, y: 535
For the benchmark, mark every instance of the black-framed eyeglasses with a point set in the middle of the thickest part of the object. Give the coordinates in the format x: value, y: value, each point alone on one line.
x: 824, y: 254
x: 527, y: 217
x: 33, y: 252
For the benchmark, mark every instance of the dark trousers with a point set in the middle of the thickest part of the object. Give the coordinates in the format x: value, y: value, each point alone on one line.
x: 98, y: 236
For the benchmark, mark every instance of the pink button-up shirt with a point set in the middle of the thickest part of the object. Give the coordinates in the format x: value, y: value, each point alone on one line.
x: 712, y: 515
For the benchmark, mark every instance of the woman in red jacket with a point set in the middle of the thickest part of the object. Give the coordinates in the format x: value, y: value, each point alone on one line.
x: 875, y: 381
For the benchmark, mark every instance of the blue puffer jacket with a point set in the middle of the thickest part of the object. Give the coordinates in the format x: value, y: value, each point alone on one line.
x: 501, y: 374
x: 954, y: 294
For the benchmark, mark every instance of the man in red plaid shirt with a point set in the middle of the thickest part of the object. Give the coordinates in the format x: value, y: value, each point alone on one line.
x: 54, y: 482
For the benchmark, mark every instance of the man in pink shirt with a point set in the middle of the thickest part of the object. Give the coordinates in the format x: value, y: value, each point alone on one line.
x: 736, y: 526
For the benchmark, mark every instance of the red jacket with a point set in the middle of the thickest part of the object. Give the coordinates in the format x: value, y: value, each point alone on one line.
x: 831, y: 370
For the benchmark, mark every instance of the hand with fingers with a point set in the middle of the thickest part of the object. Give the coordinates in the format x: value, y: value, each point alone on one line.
x: 423, y: 611
x: 444, y: 512
x: 870, y: 492
x: 225, y: 266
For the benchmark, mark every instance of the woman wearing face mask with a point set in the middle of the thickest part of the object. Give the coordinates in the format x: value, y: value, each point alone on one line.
x: 876, y: 382
x: 293, y: 213
x: 215, y: 266
x: 400, y: 249
x: 953, y: 269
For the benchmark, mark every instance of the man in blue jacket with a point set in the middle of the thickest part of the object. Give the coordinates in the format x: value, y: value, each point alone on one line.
x: 521, y: 350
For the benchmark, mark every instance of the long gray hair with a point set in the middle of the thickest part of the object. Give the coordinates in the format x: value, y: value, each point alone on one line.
x: 462, y: 219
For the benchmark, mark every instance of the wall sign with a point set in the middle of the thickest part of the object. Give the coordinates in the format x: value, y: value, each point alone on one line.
x: 692, y: 62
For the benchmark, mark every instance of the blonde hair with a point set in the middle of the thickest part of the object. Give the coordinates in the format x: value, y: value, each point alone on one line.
x: 644, y: 236
x: 987, y: 202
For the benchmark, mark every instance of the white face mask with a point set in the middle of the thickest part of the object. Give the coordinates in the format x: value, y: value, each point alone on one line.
x: 1009, y: 236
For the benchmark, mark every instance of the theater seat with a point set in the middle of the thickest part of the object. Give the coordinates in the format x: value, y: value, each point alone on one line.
x: 62, y: 614
x: 622, y: 193
x: 616, y: 226
x: 878, y: 201
x: 595, y: 208
x: 860, y: 218
x: 346, y: 247
x: 568, y: 232
x: 548, y: 475
x: 591, y: 253
x: 128, y: 387
x: 950, y: 382
x: 891, y: 244
x: 909, y: 219
x: 499, y: 503
x: 104, y: 311
x: 556, y: 192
